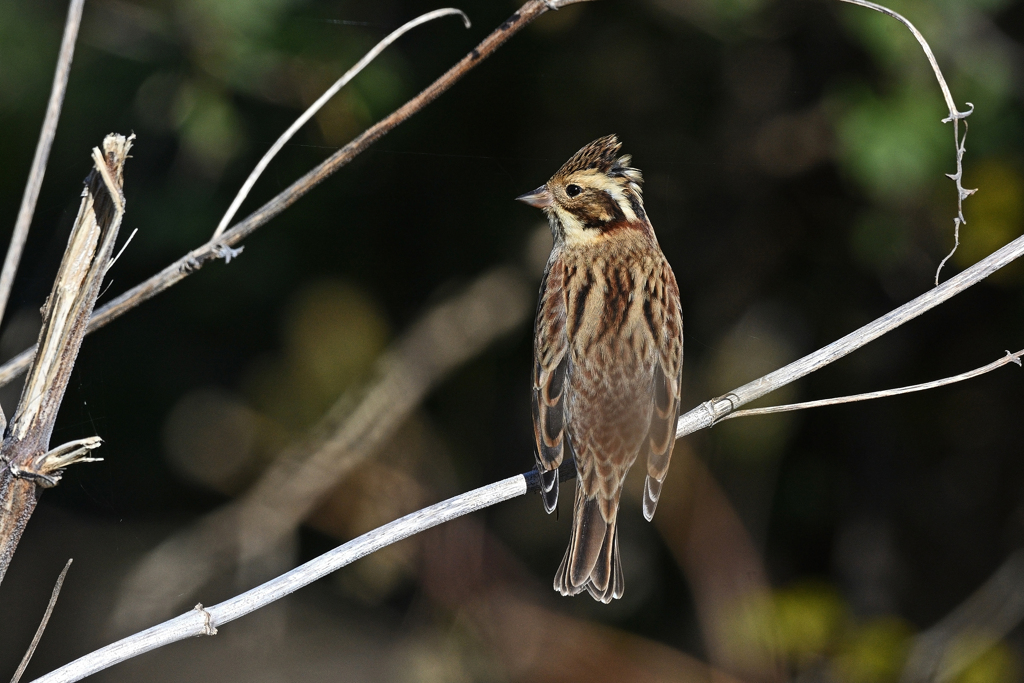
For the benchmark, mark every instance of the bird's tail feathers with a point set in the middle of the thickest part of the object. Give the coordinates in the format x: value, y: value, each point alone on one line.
x: 591, y: 561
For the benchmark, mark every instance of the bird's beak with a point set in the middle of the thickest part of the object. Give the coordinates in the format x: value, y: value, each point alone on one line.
x: 539, y: 198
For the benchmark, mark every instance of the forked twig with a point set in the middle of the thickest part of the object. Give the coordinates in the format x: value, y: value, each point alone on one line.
x: 715, y: 410
x: 1008, y: 358
x: 38, y: 170
x: 42, y: 625
x: 316, y: 106
x: 194, y: 623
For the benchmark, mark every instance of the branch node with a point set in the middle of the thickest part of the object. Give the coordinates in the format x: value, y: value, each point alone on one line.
x: 208, y: 628
x: 190, y: 264
x: 1014, y: 358
x: 959, y: 115
x: 45, y: 481
x: 46, y: 470
x: 227, y: 253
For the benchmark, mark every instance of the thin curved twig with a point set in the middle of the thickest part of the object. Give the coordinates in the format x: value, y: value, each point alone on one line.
x: 953, y: 113
x: 323, y: 99
x: 977, y: 372
x: 38, y: 169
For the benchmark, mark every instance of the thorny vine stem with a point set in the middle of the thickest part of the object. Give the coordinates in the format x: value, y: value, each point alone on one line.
x: 955, y: 116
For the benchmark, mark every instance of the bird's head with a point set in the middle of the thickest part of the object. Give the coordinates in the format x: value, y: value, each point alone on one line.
x: 594, y: 193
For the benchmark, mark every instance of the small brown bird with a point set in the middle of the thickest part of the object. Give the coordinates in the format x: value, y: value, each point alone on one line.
x: 608, y: 354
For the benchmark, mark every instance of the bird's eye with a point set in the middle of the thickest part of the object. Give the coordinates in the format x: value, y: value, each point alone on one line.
x: 573, y: 190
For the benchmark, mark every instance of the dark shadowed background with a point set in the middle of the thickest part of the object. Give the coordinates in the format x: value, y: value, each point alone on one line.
x: 794, y: 159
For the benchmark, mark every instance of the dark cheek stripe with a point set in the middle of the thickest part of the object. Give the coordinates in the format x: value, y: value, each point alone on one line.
x: 599, y: 211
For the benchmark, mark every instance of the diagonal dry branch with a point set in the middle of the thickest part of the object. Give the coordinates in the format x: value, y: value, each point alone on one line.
x: 204, y: 621
x: 26, y: 460
x: 318, y: 105
x: 222, y: 247
x: 196, y: 623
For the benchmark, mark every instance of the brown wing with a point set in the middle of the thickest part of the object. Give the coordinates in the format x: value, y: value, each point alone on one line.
x: 550, y: 368
x: 665, y: 320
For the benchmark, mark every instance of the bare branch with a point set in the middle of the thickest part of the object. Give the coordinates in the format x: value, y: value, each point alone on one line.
x: 38, y: 169
x: 42, y: 625
x: 1008, y: 358
x: 710, y: 412
x: 221, y: 247
x: 316, y: 106
x: 194, y: 623
x: 27, y: 460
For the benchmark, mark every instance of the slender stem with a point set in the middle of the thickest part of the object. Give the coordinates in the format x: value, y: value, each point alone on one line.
x: 38, y: 170
x: 200, y: 622
x: 1008, y: 358
x: 316, y: 106
x: 953, y: 113
x: 42, y: 625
